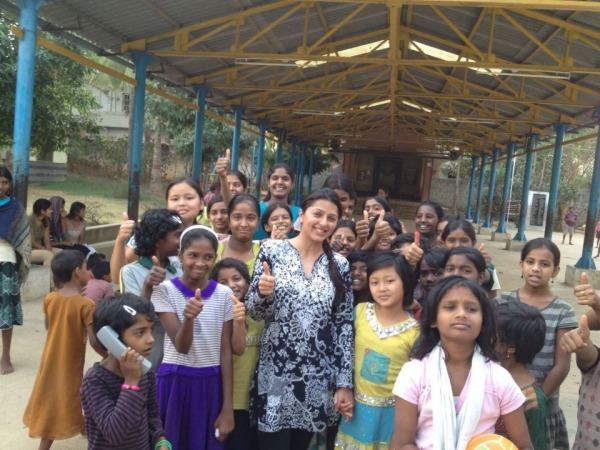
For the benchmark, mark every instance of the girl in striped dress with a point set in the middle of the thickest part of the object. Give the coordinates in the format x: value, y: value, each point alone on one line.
x: 540, y: 259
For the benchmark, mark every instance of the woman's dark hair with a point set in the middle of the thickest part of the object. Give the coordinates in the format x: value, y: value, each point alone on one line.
x: 430, y: 336
x: 462, y: 224
x: 472, y: 254
x: 435, y: 257
x: 401, y: 239
x: 74, y: 210
x: 240, y: 176
x: 116, y: 312
x: 340, y: 181
x: 100, y: 269
x: 534, y: 244
x: 384, y: 260
x: 64, y: 264
x: 359, y: 256
x: 384, y: 188
x: 382, y: 201
x: 439, y: 211
x: 217, y: 198
x: 394, y: 224
x: 95, y: 258
x: 243, y: 198
x: 231, y: 263
x: 5, y: 173
x: 272, y: 170
x: 521, y: 326
x: 41, y: 204
x: 264, y: 220
x: 187, y: 180
x: 334, y: 271
x: 56, y: 222
x: 191, y: 233
x: 154, y: 226
x: 346, y: 223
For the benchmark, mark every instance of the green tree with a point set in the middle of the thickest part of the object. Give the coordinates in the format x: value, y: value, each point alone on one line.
x: 62, y: 107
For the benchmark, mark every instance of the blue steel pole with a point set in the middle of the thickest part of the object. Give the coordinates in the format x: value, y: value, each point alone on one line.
x: 141, y: 61
x: 503, y: 222
x: 279, y: 157
x: 201, y: 93
x: 480, y: 188
x: 261, y: 149
x: 311, y: 168
x: 520, y: 236
x: 586, y: 261
x: 491, y: 189
x: 302, y: 172
x: 469, y: 214
x: 292, y: 162
x: 237, y: 132
x: 24, y: 97
x: 299, y: 157
x: 560, y: 128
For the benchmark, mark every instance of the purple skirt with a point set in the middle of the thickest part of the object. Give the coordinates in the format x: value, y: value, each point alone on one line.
x: 189, y: 401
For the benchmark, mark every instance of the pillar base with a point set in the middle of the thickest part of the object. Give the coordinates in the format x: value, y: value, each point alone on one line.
x: 485, y: 231
x: 515, y: 246
x: 573, y: 273
x: 500, y: 236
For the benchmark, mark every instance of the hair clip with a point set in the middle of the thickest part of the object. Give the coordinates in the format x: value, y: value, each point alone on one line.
x: 175, y: 219
x: 130, y: 310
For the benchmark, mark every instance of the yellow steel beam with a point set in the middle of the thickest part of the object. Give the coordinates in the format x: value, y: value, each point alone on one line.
x: 529, y: 35
x: 553, y: 5
x: 142, y: 44
x: 42, y: 42
x: 271, y: 26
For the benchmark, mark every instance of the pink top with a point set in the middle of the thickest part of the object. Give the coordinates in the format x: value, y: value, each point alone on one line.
x: 598, y: 226
x: 501, y: 396
x: 97, y: 290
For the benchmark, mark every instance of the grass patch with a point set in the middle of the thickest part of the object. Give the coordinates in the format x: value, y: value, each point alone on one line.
x: 105, y: 198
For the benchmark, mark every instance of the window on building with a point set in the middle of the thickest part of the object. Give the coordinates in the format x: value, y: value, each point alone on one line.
x: 126, y: 102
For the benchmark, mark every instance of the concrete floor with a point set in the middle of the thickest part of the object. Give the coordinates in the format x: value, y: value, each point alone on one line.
x: 28, y: 342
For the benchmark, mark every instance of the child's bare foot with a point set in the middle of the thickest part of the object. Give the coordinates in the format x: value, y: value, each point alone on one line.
x: 6, y: 367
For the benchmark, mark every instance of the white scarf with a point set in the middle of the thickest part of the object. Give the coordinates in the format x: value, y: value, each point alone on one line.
x: 452, y: 432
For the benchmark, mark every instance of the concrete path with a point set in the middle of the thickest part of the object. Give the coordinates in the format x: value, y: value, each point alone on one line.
x: 28, y: 342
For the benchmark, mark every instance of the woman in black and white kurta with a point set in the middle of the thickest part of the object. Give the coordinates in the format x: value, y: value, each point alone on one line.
x: 302, y: 290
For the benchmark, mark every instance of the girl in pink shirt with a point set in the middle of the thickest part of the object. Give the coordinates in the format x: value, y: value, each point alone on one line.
x: 453, y: 390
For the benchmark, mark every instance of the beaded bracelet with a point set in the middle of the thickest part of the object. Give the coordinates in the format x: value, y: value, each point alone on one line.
x: 132, y: 387
x: 161, y: 443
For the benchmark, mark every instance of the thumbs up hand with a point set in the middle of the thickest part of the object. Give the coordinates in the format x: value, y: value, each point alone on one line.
x: 362, y: 227
x: 486, y: 256
x: 157, y: 274
x: 382, y: 228
x: 576, y: 339
x: 194, y: 306
x: 126, y: 228
x: 585, y: 293
x: 414, y: 253
x: 266, y: 282
x: 239, y: 311
x: 222, y: 165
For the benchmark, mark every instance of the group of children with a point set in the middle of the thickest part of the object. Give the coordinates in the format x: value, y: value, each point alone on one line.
x: 249, y: 326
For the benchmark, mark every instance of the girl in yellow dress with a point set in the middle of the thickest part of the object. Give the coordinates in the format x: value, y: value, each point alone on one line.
x: 384, y: 336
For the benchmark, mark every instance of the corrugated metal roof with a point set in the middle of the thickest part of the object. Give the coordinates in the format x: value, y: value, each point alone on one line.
x: 553, y: 40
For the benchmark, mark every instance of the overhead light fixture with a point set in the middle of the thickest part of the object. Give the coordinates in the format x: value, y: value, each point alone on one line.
x: 526, y: 73
x: 444, y: 139
x: 316, y: 112
x: 342, y: 134
x: 414, y: 105
x: 266, y: 62
x: 374, y: 104
x: 467, y: 120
